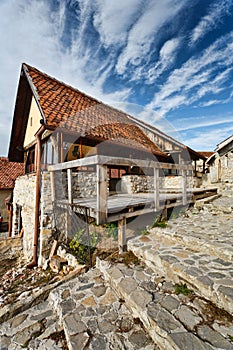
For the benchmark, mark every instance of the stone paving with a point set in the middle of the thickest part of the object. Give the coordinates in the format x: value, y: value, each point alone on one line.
x: 90, y: 313
x: 31, y: 329
x: 173, y: 320
x: 195, y: 249
x: 166, y: 301
x: 94, y: 317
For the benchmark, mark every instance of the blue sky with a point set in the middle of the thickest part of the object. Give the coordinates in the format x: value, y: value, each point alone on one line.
x: 167, y: 62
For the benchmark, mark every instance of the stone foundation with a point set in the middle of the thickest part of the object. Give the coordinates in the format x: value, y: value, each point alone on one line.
x: 140, y: 183
x: 84, y: 185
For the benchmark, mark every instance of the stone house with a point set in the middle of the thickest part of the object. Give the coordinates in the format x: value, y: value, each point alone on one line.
x: 220, y: 163
x: 56, y: 124
x: 9, y: 171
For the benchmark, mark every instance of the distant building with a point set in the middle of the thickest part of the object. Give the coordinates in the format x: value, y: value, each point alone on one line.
x: 9, y: 171
x: 220, y: 164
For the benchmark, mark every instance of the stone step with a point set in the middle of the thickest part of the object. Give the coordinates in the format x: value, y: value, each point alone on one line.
x: 95, y: 318
x: 174, y: 322
x: 208, y: 230
x: 197, y: 240
x: 208, y: 275
x: 35, y: 328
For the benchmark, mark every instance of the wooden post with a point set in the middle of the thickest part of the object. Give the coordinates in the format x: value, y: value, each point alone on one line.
x: 203, y: 169
x: 69, y: 178
x: 52, y: 179
x: 122, y: 235
x: 61, y: 148
x: 102, y: 193
x: 156, y: 188
x: 184, y: 186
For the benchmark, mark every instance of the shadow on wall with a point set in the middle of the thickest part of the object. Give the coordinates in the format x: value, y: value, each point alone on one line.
x: 3, y: 227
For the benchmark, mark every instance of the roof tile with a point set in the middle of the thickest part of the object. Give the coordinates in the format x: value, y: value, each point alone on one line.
x: 68, y: 108
x: 9, y: 171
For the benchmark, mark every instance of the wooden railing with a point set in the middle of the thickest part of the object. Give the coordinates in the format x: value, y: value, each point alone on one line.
x: 101, y: 163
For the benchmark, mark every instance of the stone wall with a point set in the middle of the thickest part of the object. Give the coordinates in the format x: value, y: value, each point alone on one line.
x: 3, y: 195
x: 221, y: 170
x: 24, y: 207
x: 140, y: 183
x: 46, y: 221
x: 84, y: 184
x: 227, y: 167
x: 136, y: 183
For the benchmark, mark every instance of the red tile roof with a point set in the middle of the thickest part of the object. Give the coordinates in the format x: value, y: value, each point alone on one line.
x: 206, y: 154
x: 9, y: 171
x: 68, y: 108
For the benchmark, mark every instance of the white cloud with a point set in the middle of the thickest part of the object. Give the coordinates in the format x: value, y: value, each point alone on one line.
x: 200, y: 122
x: 196, y: 78
x: 207, y: 140
x: 32, y: 34
x: 167, y: 56
x: 23, y: 38
x: 142, y: 34
x: 113, y: 19
x: 211, y: 20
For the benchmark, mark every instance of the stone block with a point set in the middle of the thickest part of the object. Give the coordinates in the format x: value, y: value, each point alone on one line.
x: 57, y: 263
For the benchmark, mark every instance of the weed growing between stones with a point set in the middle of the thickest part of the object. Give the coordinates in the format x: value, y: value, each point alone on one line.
x: 144, y: 232
x: 183, y: 289
x: 159, y: 222
x: 127, y: 258
x: 112, y: 230
x: 84, y: 248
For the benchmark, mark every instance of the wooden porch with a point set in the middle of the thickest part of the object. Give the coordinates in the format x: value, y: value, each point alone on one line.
x: 105, y: 208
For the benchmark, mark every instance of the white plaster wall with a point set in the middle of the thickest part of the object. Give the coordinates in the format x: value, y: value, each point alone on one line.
x: 33, y: 123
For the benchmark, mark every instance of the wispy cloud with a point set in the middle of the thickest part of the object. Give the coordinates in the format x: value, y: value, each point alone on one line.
x: 206, y: 140
x: 35, y: 34
x: 142, y: 34
x: 167, y: 56
x: 119, y: 51
x: 201, y: 122
x: 206, y: 73
x: 113, y: 19
x: 211, y: 20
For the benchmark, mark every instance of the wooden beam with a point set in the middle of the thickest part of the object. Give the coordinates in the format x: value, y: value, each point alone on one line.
x: 122, y: 235
x: 156, y: 188
x: 52, y: 180
x: 69, y: 178
x: 102, y: 194
x: 184, y: 186
x: 106, y: 160
x: 74, y: 163
x: 117, y: 217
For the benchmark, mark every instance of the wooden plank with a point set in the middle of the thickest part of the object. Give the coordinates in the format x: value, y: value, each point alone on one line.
x: 184, y: 186
x: 101, y: 200
x: 122, y: 235
x: 69, y: 178
x: 141, y: 163
x: 156, y: 188
x: 74, y: 163
x: 112, y: 218
x: 52, y: 180
x: 106, y: 160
